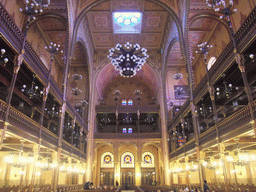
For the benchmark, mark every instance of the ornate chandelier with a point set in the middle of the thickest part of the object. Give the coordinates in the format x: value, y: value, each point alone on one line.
x: 128, y: 59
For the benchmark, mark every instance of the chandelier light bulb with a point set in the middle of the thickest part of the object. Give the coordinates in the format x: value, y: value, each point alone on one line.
x: 3, y: 51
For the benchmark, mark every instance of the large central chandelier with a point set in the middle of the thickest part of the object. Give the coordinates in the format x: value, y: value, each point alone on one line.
x: 128, y: 59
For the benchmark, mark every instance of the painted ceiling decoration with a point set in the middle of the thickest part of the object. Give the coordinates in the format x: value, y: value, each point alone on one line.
x: 160, y: 23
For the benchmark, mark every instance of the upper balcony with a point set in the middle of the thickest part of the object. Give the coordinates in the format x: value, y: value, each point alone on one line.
x: 234, y: 116
x: 127, y: 136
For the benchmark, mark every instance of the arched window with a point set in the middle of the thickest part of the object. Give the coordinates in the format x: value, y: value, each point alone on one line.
x: 124, y: 130
x: 148, y: 160
x: 127, y: 160
x: 129, y: 130
x: 211, y: 62
x: 107, y: 160
x: 130, y: 102
x: 124, y: 102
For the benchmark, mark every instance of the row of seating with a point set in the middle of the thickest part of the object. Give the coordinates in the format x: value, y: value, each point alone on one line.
x: 232, y: 188
x: 40, y: 188
x: 218, y: 187
x: 62, y: 188
x: 27, y: 188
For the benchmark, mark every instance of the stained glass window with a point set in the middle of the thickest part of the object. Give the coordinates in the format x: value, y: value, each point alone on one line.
x: 148, y: 160
x: 124, y: 130
x: 124, y: 102
x: 129, y: 130
x: 107, y: 160
x: 127, y: 22
x: 127, y: 160
x: 130, y: 102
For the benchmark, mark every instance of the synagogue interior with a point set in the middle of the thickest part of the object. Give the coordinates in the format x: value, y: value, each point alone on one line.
x: 144, y: 94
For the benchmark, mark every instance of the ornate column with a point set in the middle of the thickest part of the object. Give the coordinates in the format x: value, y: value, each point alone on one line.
x: 22, y: 175
x: 164, y: 142
x: 171, y: 176
x: 28, y: 169
x: 117, y: 93
x: 117, y: 164
x: 235, y: 176
x: 55, y: 174
x: 52, y: 49
x: 187, y: 171
x: 199, y: 154
x: 138, y: 163
x: 201, y: 169
x: 7, y: 175
x: 222, y: 158
x: 248, y: 173
x: 33, y: 177
x: 62, y: 116
x: 227, y: 165
x: 31, y: 9
x: 91, y: 126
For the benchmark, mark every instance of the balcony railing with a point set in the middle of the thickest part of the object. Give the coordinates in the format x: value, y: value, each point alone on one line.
x: 127, y: 136
x: 127, y: 109
x: 236, y: 124
x: 21, y: 125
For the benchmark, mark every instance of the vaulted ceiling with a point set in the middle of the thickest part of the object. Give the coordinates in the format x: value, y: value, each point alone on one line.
x: 157, y: 23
